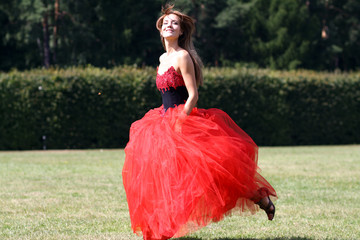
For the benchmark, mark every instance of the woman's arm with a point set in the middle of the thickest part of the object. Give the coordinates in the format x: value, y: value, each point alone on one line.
x: 186, y: 67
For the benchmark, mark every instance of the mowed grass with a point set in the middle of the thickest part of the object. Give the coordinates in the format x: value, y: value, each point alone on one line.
x: 79, y: 195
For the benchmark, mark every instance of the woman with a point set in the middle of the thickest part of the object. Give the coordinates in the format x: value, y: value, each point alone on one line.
x: 185, y: 166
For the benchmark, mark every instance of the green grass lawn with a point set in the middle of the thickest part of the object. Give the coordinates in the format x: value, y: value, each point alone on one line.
x: 79, y: 195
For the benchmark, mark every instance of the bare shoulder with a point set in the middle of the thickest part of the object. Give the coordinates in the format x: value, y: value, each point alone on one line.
x: 183, y: 56
x: 162, y: 57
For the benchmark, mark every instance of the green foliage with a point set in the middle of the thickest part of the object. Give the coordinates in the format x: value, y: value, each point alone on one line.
x: 92, y: 107
x: 103, y: 33
x: 74, y: 108
x: 287, y: 108
x: 278, y: 34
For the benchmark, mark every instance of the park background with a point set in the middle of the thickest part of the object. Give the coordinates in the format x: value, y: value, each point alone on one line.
x: 310, y: 34
x: 76, y: 74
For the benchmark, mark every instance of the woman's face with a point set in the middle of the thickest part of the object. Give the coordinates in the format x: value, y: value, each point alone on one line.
x: 171, y: 26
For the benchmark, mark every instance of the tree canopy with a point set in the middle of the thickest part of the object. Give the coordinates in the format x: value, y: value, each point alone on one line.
x: 280, y: 34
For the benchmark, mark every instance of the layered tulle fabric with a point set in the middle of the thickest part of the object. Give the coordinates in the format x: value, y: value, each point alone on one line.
x: 182, y: 172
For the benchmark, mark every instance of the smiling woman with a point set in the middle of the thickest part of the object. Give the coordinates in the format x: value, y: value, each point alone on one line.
x: 171, y: 27
x: 177, y: 24
x: 187, y: 166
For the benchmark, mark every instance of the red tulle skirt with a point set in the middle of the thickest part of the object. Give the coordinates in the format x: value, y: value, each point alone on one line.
x: 182, y: 172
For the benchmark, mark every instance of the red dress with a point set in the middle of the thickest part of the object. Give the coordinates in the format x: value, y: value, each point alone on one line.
x: 182, y: 172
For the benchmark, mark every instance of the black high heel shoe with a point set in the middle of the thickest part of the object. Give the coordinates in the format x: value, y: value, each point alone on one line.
x: 269, y: 209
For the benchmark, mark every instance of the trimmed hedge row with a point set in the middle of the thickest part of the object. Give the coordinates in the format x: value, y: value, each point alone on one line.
x: 94, y: 108
x: 73, y: 108
x: 288, y: 108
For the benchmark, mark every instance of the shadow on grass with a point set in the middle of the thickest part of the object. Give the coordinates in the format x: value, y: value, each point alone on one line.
x: 286, y: 238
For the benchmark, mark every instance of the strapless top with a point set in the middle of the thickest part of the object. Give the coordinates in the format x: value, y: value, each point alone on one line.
x: 172, y: 88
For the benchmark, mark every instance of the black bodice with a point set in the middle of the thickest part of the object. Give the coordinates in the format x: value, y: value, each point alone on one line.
x: 174, y: 96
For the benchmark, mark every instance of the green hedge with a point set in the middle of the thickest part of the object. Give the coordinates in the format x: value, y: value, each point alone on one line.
x: 288, y: 108
x: 94, y: 108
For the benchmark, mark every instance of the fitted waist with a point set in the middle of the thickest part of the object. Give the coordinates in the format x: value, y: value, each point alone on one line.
x: 174, y: 96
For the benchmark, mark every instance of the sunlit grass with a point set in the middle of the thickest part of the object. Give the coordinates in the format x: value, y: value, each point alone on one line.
x: 79, y: 195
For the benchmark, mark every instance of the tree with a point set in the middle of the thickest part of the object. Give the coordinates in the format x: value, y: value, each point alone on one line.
x: 342, y: 40
x: 275, y: 33
x: 20, y: 34
x: 281, y: 34
x: 104, y: 33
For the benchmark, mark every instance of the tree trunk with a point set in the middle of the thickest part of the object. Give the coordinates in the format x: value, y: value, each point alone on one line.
x: 46, y: 41
x: 113, y: 44
x: 56, y: 14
